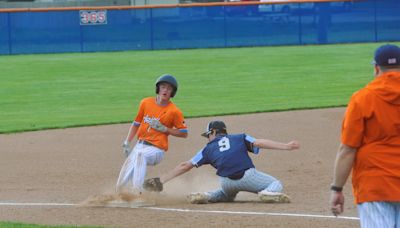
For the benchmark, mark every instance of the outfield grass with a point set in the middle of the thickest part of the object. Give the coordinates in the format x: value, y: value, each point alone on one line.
x: 64, y: 90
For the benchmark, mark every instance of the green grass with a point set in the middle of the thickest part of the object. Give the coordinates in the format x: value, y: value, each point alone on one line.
x: 63, y: 90
x: 22, y: 225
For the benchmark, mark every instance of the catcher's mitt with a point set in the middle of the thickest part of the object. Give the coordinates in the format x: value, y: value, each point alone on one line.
x: 153, y: 185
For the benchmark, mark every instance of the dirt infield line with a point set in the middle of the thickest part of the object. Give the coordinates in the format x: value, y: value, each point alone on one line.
x: 188, y: 210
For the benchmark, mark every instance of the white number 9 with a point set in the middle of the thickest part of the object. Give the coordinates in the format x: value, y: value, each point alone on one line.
x: 224, y: 144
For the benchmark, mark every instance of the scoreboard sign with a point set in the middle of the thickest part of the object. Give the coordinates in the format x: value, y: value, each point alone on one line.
x: 93, y: 17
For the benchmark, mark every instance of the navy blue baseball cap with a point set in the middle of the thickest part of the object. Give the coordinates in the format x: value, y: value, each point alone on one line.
x: 214, y: 125
x: 387, y: 55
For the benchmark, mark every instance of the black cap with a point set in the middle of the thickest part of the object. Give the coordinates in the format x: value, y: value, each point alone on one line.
x: 214, y: 125
x: 387, y: 55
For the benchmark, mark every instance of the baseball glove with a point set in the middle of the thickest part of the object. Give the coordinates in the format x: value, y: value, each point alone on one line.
x: 153, y: 185
x: 157, y: 125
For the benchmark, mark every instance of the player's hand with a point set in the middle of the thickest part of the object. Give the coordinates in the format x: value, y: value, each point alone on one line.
x: 293, y: 145
x: 337, y: 203
x: 157, y: 125
x: 126, y: 148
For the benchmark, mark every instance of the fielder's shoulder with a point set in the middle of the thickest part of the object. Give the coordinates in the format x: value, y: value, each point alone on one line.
x: 148, y: 99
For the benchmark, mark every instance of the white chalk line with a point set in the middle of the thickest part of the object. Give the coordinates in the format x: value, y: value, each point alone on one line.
x: 188, y: 210
x: 251, y: 213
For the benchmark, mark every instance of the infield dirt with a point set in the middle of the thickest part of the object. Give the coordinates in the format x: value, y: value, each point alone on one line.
x: 78, y: 164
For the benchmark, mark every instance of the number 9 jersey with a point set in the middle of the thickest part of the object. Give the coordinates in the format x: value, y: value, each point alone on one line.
x: 227, y: 153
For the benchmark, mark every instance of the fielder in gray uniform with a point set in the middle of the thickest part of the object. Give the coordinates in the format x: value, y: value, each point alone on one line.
x: 228, y: 153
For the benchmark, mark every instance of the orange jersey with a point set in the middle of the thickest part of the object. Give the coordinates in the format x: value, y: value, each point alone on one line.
x: 169, y: 115
x: 372, y: 124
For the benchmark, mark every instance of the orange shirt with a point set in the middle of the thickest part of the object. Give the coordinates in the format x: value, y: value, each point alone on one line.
x: 169, y: 115
x: 372, y: 124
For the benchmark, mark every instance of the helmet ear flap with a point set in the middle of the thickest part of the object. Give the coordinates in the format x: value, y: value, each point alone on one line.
x: 173, y: 92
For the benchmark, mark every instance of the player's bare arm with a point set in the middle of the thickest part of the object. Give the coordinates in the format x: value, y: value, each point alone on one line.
x: 131, y: 133
x: 156, y: 184
x: 343, y: 165
x: 177, y: 171
x: 270, y: 144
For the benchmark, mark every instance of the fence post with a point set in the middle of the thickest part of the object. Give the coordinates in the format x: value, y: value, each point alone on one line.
x: 375, y: 20
x: 225, y: 28
x: 300, y: 27
x: 323, y: 22
x: 9, y: 34
x: 80, y: 33
x: 151, y: 30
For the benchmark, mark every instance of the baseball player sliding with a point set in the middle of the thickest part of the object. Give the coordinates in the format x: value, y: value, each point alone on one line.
x: 228, y: 153
x: 157, y: 118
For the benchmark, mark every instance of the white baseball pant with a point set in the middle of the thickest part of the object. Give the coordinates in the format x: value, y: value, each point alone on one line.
x: 134, y: 169
x: 253, y: 181
x: 379, y: 214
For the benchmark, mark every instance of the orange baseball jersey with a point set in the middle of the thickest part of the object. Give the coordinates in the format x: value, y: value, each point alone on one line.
x: 169, y: 115
x: 372, y: 124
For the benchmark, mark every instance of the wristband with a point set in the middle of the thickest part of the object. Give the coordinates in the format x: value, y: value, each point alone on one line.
x: 336, y: 189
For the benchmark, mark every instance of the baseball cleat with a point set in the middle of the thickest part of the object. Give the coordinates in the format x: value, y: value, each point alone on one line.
x: 198, y: 198
x: 273, y: 197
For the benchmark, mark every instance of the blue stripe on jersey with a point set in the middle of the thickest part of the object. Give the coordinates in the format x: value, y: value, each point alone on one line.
x: 136, y: 123
x: 250, y: 139
x: 197, y: 158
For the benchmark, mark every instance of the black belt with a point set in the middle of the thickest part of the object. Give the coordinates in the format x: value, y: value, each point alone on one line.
x: 237, y: 175
x: 144, y: 142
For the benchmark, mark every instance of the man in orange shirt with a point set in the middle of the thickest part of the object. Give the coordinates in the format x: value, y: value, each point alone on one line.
x: 370, y: 146
x: 157, y: 118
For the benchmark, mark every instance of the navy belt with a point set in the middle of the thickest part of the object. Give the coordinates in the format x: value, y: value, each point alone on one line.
x: 144, y: 142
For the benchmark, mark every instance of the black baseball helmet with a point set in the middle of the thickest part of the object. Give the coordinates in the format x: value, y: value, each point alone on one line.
x: 168, y: 79
x: 217, y: 125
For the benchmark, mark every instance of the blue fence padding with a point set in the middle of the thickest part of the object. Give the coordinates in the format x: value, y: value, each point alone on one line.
x: 201, y: 27
x: 4, y: 34
x: 124, y: 31
x: 388, y: 21
x: 193, y: 28
x: 44, y: 32
x: 354, y: 25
